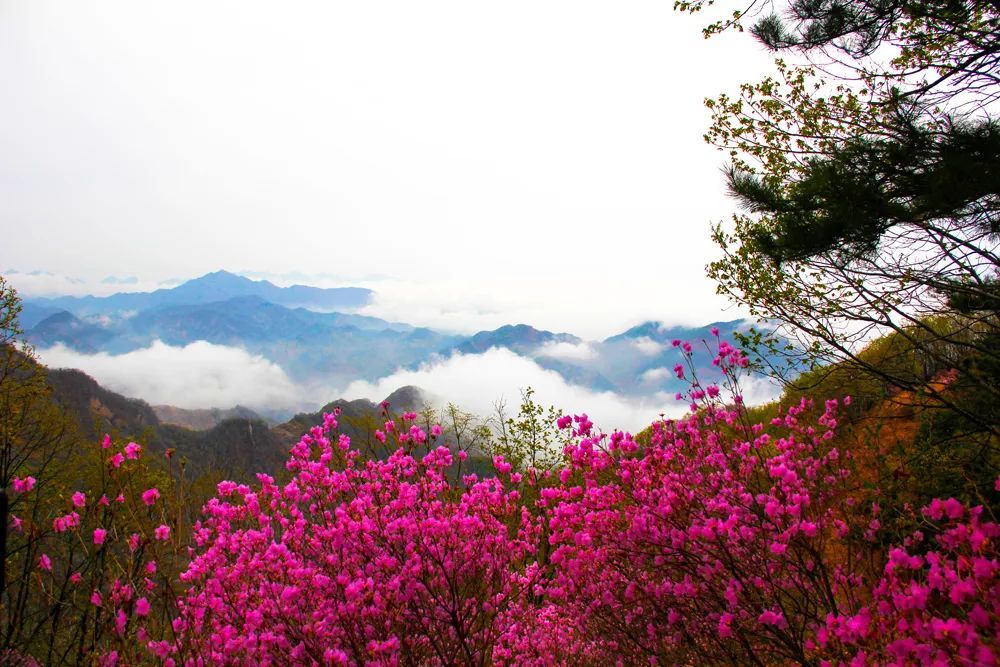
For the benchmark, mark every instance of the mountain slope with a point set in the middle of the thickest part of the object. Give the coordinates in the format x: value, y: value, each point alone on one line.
x: 358, y: 419
x: 202, y: 419
x: 64, y: 327
x: 237, y: 445
x: 33, y: 313
x: 519, y: 338
x: 99, y: 410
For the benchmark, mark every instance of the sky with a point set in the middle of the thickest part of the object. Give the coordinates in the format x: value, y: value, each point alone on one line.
x: 475, y: 163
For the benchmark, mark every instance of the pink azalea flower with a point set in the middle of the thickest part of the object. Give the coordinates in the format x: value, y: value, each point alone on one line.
x: 772, y: 617
x: 63, y: 523
x: 23, y: 485
x: 150, y: 496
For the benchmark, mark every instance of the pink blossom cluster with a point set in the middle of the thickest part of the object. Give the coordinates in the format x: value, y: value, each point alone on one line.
x: 700, y: 544
x: 95, y: 569
x: 356, y: 561
x: 936, y: 603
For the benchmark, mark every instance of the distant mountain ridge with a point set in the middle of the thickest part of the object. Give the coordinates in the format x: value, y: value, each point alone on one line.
x: 306, y: 344
x: 331, y: 347
x: 212, y: 287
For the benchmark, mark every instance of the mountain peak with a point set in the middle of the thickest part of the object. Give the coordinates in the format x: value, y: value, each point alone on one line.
x: 520, y: 338
x: 221, y: 277
x: 649, y: 328
x: 408, y: 397
x: 660, y: 331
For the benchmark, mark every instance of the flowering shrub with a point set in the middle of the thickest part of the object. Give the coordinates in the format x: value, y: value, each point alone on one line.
x: 707, y: 540
x: 357, y: 561
x: 87, y: 579
x: 935, y: 603
x: 699, y: 545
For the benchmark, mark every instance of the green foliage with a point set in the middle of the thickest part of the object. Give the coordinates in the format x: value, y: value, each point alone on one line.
x: 50, y: 613
x: 10, y: 309
x: 846, y: 201
x: 869, y: 184
x: 35, y: 436
x: 530, y: 439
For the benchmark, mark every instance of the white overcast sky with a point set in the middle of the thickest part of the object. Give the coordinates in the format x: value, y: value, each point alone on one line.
x: 477, y: 163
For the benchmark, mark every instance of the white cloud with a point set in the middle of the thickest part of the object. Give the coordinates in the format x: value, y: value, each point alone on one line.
x: 655, y: 374
x: 199, y: 375
x: 559, y: 302
x: 648, y: 346
x: 43, y: 283
x: 46, y: 284
x: 572, y: 351
x: 117, y: 280
x: 476, y: 382
x: 758, y: 390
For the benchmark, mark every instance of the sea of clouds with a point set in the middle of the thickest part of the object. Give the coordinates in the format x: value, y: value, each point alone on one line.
x: 204, y: 375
